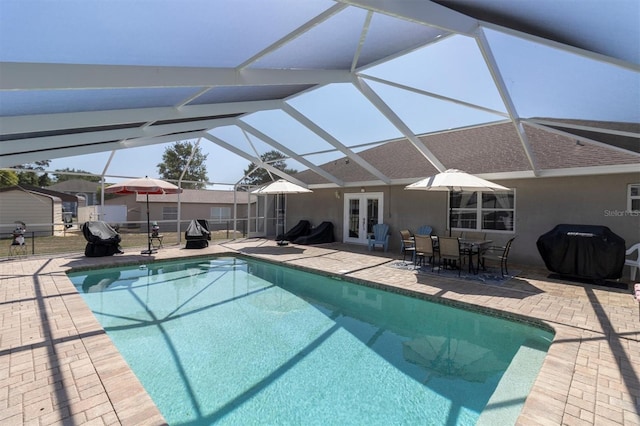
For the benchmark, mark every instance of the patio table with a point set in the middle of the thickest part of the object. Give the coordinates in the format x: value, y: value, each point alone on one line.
x: 474, y: 247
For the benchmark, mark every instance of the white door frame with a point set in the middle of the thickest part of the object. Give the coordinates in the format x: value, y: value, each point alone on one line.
x: 362, y: 197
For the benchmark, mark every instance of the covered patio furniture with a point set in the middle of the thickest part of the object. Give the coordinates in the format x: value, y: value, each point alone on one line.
x: 205, y: 225
x: 196, y: 235
x: 424, y: 249
x: 499, y: 254
x: 591, y: 252
x: 300, y: 230
x: 321, y: 234
x: 633, y: 264
x: 102, y: 239
x: 379, y: 236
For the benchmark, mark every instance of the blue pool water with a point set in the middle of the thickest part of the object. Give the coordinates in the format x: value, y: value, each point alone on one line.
x: 235, y: 341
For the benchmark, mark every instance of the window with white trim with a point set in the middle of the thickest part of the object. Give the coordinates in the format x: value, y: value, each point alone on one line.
x: 633, y: 197
x: 169, y: 213
x: 220, y: 214
x: 483, y: 211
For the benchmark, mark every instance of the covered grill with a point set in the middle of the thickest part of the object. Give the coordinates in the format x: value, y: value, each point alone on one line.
x: 583, y: 251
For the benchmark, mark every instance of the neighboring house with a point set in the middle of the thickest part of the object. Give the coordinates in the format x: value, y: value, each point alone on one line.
x: 572, y: 187
x: 214, y: 205
x: 80, y: 187
x: 40, y: 209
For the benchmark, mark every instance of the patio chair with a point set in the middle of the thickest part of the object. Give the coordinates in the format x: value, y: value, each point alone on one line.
x: 424, y: 230
x: 634, y: 264
x: 499, y: 254
x: 424, y: 248
x: 380, y: 236
x: 407, y: 244
x: 449, y: 252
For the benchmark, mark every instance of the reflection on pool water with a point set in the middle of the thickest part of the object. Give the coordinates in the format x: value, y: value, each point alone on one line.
x: 235, y: 341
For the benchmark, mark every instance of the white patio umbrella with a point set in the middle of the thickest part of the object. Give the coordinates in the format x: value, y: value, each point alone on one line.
x: 146, y: 186
x: 455, y: 180
x: 280, y: 187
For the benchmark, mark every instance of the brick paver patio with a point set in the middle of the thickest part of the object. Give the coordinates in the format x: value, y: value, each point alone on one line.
x: 57, y: 365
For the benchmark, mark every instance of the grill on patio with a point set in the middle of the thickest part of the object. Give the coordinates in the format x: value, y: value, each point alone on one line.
x: 583, y: 251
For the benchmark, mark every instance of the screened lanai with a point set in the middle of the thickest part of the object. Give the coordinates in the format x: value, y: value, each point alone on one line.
x: 104, y: 87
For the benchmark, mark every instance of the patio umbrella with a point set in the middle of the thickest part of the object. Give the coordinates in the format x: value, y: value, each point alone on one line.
x: 281, y: 187
x: 455, y: 180
x: 146, y: 186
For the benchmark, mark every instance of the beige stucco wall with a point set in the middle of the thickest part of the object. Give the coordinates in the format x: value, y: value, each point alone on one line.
x: 541, y: 203
x: 137, y: 211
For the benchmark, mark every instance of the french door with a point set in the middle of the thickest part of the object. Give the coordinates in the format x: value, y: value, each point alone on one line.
x: 361, y: 212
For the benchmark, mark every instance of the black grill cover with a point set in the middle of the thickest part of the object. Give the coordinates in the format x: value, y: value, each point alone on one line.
x: 197, y: 235
x: 300, y: 230
x: 102, y: 239
x: 583, y: 251
x: 323, y: 233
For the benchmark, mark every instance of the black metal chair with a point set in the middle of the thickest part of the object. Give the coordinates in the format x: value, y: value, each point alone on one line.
x: 499, y: 254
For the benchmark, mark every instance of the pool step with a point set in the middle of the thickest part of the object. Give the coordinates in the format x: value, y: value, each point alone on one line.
x: 505, y: 404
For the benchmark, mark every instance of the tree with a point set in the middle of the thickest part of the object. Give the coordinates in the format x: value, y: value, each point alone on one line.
x: 260, y: 176
x: 8, y: 178
x: 32, y: 178
x: 174, y: 161
x: 62, y: 177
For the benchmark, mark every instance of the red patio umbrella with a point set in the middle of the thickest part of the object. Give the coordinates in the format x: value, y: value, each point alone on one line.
x: 146, y: 186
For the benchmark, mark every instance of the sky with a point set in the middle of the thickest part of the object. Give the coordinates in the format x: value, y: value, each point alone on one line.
x: 542, y: 81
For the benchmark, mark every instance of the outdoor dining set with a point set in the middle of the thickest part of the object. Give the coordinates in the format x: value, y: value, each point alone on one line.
x: 453, y: 251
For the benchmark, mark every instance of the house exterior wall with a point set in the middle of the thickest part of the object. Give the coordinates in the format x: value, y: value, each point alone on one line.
x: 541, y: 204
x: 137, y: 211
x: 188, y: 212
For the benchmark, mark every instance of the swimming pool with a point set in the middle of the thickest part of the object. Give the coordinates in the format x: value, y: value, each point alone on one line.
x: 237, y: 341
